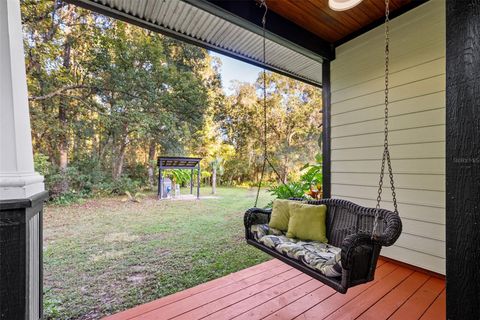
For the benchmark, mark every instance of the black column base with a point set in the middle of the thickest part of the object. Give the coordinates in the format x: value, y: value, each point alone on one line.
x: 21, y: 265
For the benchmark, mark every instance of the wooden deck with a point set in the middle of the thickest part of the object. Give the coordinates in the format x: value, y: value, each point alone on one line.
x: 273, y: 290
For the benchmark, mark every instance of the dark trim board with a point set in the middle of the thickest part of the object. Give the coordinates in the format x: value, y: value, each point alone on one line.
x: 249, y: 14
x: 463, y: 159
x: 24, y: 203
x: 326, y: 139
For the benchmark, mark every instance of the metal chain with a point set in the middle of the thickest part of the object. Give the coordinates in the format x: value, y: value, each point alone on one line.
x: 386, y: 151
x: 264, y: 22
x: 266, y: 161
x: 264, y: 76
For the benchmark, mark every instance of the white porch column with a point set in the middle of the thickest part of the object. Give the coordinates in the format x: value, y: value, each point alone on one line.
x: 17, y: 176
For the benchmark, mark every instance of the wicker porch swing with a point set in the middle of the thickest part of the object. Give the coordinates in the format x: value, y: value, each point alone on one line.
x: 357, y: 233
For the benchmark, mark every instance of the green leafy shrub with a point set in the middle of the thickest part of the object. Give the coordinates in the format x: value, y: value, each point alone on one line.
x: 290, y: 190
x: 48, y: 170
x: 42, y: 164
x: 86, y: 178
x: 119, y: 186
x: 309, y: 185
x: 138, y: 172
x: 68, y: 198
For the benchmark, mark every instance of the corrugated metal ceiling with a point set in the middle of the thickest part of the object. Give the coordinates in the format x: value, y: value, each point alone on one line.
x: 185, y: 21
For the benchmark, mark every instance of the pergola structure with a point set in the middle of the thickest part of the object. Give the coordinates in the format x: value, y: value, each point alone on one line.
x: 188, y: 163
x: 435, y: 100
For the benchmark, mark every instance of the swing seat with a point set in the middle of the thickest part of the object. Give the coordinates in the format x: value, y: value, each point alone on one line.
x: 351, y: 255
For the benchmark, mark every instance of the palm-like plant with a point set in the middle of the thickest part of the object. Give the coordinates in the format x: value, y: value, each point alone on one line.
x: 180, y: 175
x: 313, y: 178
x: 217, y: 169
x: 134, y: 197
x: 310, y: 183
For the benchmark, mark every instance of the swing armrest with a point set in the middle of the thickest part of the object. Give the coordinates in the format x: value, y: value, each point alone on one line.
x: 356, y: 248
x: 392, y: 231
x: 255, y: 216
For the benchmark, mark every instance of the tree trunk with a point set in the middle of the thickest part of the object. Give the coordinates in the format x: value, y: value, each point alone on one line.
x: 62, y: 186
x: 285, y: 175
x: 151, y: 164
x: 118, y: 165
x: 214, y: 180
x: 285, y: 169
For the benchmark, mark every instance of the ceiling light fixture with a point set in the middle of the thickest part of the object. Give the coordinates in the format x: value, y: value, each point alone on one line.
x: 342, y: 5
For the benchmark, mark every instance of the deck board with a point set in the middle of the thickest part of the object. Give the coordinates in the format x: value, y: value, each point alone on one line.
x: 279, y: 302
x: 274, y: 290
x: 386, y: 306
x: 260, y: 298
x: 217, y: 283
x: 355, y: 307
x: 172, y: 310
x: 419, y: 302
x: 237, y: 296
x: 437, y: 309
x: 324, y: 308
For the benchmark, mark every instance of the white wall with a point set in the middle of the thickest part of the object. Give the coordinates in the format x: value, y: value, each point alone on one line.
x: 417, y: 128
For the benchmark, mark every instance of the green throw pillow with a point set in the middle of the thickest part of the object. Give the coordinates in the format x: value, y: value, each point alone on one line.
x: 280, y: 215
x: 307, y: 222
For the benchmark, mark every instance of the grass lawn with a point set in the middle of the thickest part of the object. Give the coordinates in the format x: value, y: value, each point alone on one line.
x: 106, y: 255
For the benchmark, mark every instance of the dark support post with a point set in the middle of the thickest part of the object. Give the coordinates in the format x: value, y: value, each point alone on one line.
x: 160, y: 183
x: 463, y: 159
x: 21, y: 265
x: 326, y: 105
x: 191, y: 181
x: 198, y: 181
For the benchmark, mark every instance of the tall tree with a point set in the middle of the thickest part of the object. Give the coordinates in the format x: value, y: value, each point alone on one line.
x: 293, y: 127
x: 106, y: 98
x: 56, y: 42
x: 115, y: 88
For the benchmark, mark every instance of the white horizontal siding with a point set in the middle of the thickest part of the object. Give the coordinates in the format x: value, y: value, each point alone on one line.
x: 399, y: 137
x: 415, y: 104
x: 409, y: 90
x: 402, y: 151
x: 417, y: 128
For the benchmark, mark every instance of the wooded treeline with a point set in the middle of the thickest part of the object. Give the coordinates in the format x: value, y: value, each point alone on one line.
x: 107, y: 98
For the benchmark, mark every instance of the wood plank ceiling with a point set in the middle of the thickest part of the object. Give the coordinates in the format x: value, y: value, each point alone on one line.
x: 333, y: 26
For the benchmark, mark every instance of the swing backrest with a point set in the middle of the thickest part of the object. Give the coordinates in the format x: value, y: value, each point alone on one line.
x: 345, y: 217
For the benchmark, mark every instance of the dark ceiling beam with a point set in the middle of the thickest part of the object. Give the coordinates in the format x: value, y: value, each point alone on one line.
x: 248, y: 15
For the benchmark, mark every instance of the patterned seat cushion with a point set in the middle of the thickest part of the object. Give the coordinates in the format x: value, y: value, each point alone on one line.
x: 316, y: 255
